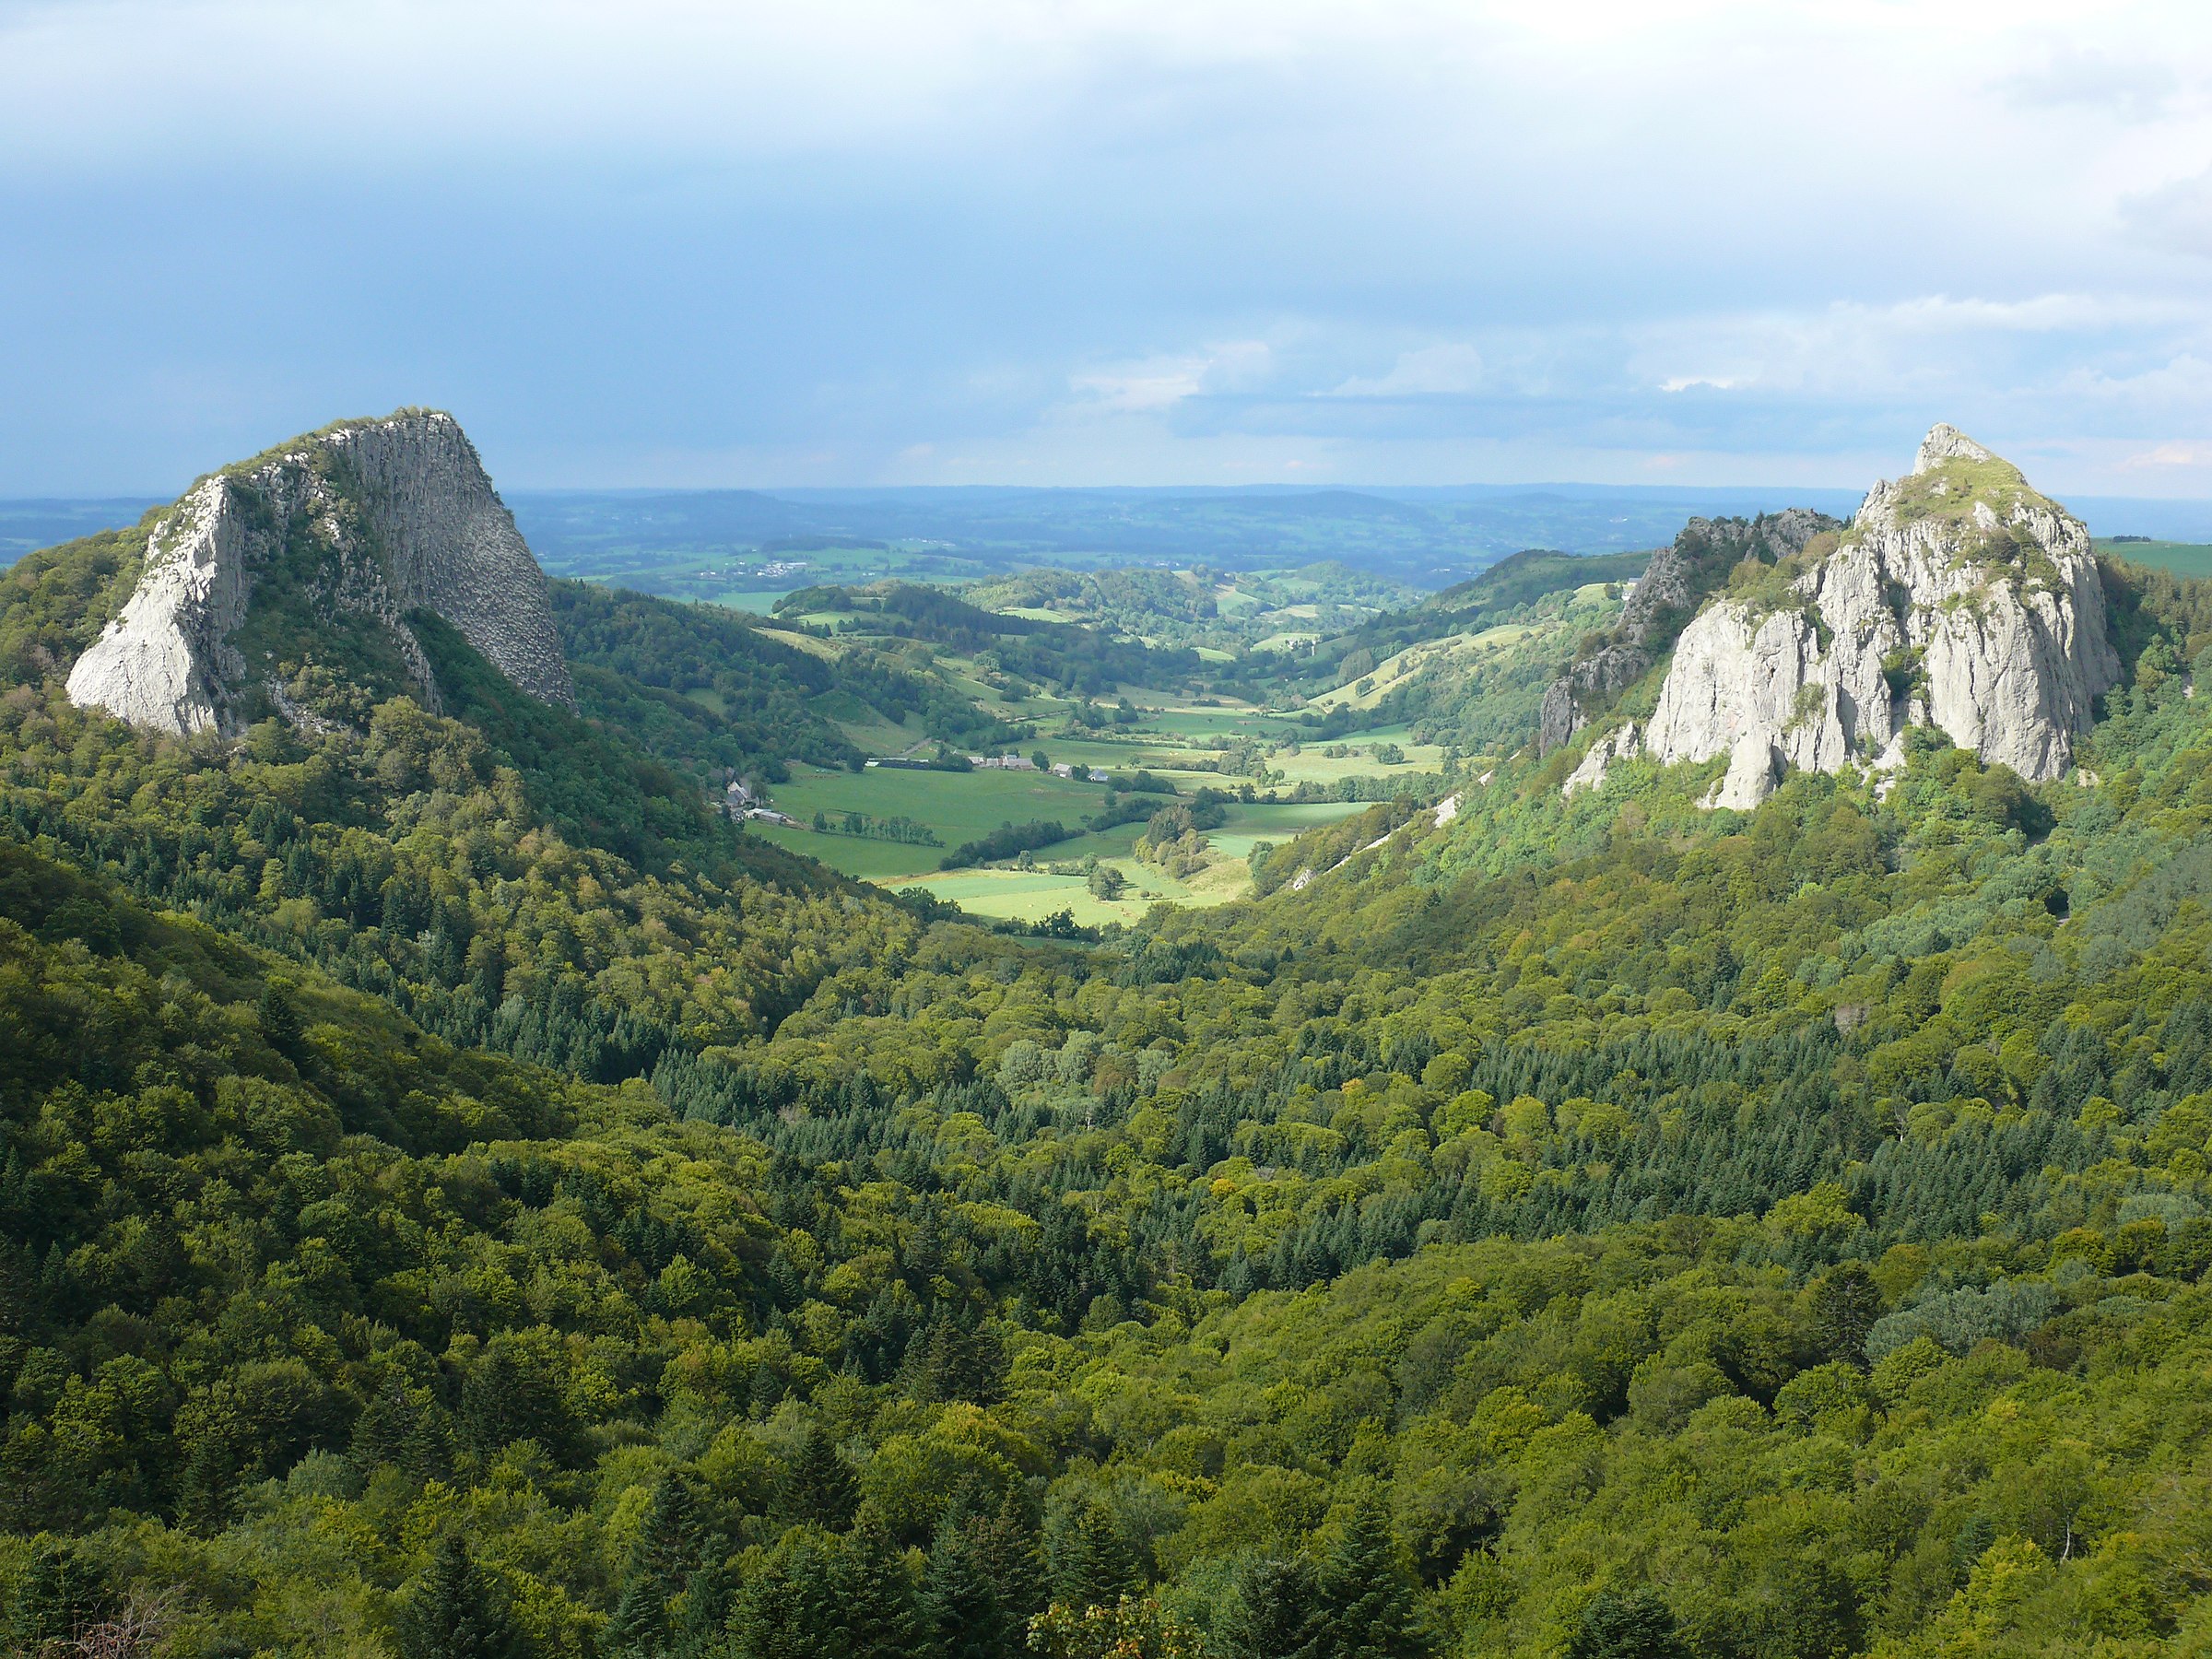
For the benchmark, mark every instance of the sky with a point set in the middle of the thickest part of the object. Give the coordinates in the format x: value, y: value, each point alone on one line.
x: 1111, y: 241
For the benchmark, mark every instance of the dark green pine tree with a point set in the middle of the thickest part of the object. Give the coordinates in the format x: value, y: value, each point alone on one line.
x: 698, y: 1622
x: 818, y: 1486
x: 380, y: 1432
x: 1845, y: 1303
x: 57, y: 1597
x: 1365, y: 1596
x: 660, y: 1559
x: 963, y: 1616
x: 1635, y: 1626
x: 880, y: 1618
x: 1274, y: 1612
x: 793, y: 1606
x: 958, y: 1358
x: 1092, y: 1565
x: 279, y: 1009
x: 427, y: 1453
x: 1005, y: 1545
x: 453, y: 1610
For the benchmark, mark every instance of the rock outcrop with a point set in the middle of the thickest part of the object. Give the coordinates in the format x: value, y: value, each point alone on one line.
x: 1959, y: 598
x: 1665, y: 596
x: 354, y: 526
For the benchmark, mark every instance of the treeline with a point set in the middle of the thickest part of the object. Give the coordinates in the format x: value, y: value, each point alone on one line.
x: 868, y: 827
x: 730, y: 699
x: 1079, y: 660
x: 1008, y: 841
x: 731, y: 686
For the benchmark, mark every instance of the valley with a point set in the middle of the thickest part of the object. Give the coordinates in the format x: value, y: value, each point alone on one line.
x: 1654, y: 1101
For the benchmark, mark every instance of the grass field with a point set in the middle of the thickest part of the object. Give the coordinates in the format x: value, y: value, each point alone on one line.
x: 957, y: 805
x: 1031, y: 896
x: 2183, y: 559
x: 1173, y: 737
x: 1311, y: 765
x: 962, y: 806
x: 1261, y: 822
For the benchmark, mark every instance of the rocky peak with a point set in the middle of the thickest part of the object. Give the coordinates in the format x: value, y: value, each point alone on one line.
x: 1667, y: 595
x: 1959, y: 598
x: 282, y: 577
x: 1944, y: 445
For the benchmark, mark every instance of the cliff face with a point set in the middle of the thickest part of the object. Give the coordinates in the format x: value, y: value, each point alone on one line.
x: 345, y: 531
x: 1679, y: 576
x: 1959, y: 598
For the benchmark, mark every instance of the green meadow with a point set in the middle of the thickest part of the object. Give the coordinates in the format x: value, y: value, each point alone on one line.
x: 960, y: 806
x: 957, y: 805
x: 2183, y: 559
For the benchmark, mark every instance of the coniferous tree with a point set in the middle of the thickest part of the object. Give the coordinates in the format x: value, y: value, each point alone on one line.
x: 793, y: 1606
x: 278, y: 1012
x: 1635, y: 1626
x: 57, y: 1597
x: 426, y: 1453
x: 879, y: 1618
x: 1845, y: 1304
x: 1005, y: 1545
x: 659, y: 1559
x: 454, y: 1610
x: 1365, y: 1594
x: 962, y: 1615
x: 820, y: 1486
x: 698, y: 1622
x: 1092, y: 1565
x: 1274, y: 1611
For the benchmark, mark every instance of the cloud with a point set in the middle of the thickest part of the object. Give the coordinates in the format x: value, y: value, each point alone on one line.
x: 2077, y: 76
x: 1161, y: 381
x: 1927, y: 342
x: 2175, y: 216
x: 2170, y: 455
x: 1428, y: 371
x: 1085, y: 237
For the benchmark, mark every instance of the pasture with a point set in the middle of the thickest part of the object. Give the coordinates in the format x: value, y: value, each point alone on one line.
x: 960, y: 814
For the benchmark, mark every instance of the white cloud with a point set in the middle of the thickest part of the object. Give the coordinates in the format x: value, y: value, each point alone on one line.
x: 2172, y: 455
x: 1853, y: 349
x: 1570, y: 228
x: 1160, y: 382
x: 1428, y: 371
x: 2176, y: 216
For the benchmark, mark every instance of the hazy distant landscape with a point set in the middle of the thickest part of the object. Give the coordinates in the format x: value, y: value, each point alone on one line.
x: 742, y: 545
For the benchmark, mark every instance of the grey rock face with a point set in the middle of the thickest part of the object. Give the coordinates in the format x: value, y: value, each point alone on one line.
x: 402, y: 515
x: 1679, y: 576
x: 1959, y: 598
x: 1591, y: 683
x: 1623, y: 743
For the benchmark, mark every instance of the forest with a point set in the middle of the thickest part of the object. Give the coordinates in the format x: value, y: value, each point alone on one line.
x: 464, y: 1194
